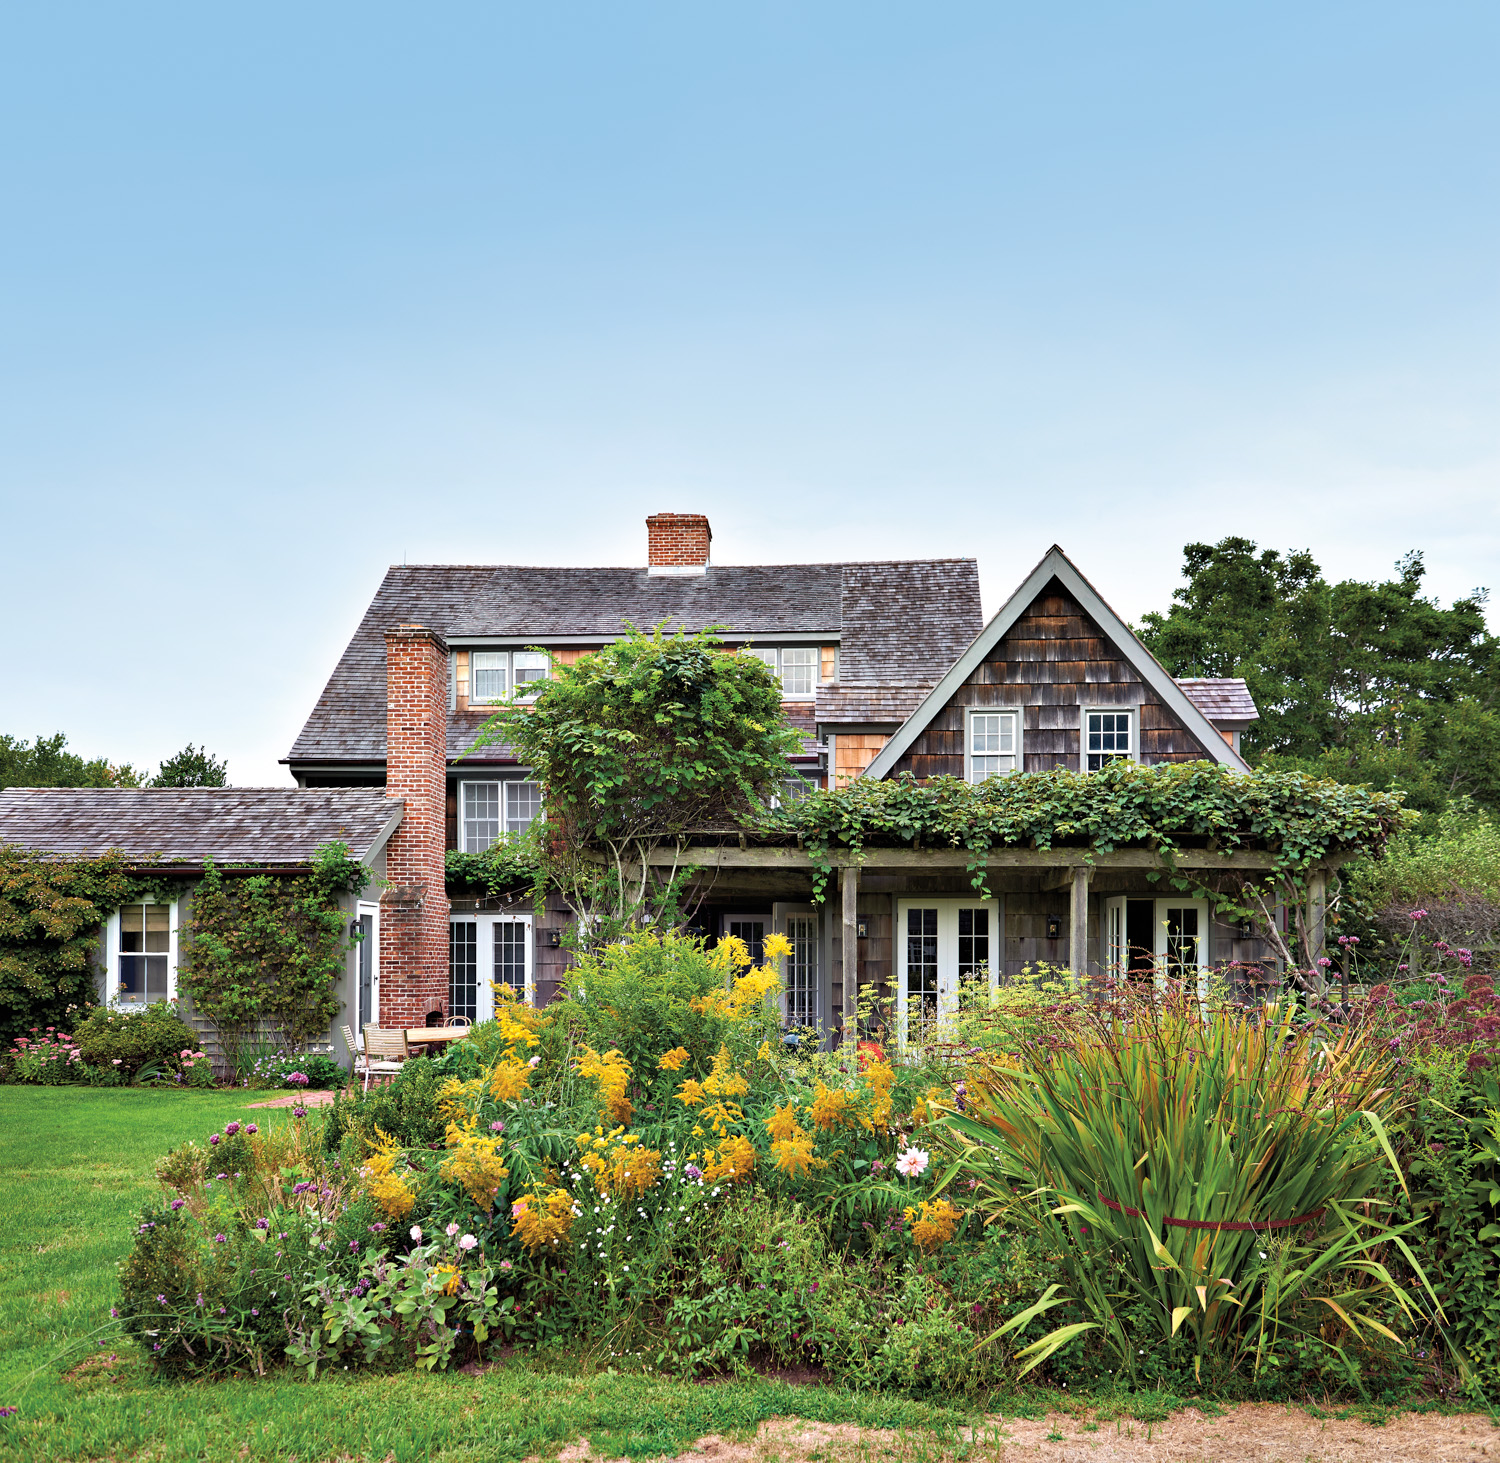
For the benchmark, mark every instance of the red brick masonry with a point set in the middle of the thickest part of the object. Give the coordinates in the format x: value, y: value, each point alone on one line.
x: 677, y: 540
x: 414, y: 907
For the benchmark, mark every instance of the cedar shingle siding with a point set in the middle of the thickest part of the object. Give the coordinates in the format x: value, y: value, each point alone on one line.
x: 1053, y: 662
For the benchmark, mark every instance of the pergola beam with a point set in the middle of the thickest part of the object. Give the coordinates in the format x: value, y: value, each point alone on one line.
x: 713, y: 856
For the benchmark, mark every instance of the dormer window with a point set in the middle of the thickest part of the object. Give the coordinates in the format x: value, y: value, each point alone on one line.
x: 795, y: 665
x: 494, y: 674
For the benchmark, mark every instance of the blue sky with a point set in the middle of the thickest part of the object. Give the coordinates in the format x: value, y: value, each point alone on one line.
x: 291, y: 292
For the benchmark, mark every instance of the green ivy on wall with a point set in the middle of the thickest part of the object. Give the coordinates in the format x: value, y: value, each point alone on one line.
x: 51, y: 914
x: 263, y: 953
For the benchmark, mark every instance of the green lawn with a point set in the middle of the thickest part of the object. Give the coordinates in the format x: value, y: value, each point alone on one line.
x: 76, y: 1164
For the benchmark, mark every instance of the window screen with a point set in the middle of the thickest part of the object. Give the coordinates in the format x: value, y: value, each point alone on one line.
x: 992, y: 744
x: 1106, y: 738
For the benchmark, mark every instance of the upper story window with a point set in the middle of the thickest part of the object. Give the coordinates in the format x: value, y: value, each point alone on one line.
x: 494, y: 674
x: 142, y: 954
x: 796, y: 665
x: 1108, y: 736
x: 490, y: 809
x: 994, y: 744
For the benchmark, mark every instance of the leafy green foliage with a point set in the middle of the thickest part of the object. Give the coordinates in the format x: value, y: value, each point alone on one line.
x: 1367, y: 682
x: 650, y: 738
x: 1239, y: 1119
x: 155, y: 1036
x: 512, y: 865
x: 51, y: 912
x: 191, y: 767
x: 1301, y: 819
x: 46, y: 762
x: 265, y: 951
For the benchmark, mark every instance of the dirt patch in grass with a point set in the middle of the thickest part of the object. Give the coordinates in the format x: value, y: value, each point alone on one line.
x: 1253, y: 1433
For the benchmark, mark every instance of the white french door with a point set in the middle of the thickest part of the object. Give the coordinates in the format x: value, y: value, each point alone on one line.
x: 484, y: 951
x: 801, y: 972
x: 367, y: 967
x: 1175, y: 946
x: 939, y: 944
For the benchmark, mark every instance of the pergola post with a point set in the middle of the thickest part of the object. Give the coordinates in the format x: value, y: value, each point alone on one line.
x: 1078, y: 924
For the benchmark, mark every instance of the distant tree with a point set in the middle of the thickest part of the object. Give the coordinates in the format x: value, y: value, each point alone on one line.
x: 1366, y: 682
x: 191, y: 767
x: 46, y: 762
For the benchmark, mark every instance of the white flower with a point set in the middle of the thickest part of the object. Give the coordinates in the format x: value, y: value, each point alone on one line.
x: 416, y: 1233
x: 467, y: 1242
x: 912, y: 1163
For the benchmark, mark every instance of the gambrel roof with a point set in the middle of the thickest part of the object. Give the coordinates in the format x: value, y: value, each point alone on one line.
x: 897, y: 622
x: 1055, y: 565
x: 273, y: 827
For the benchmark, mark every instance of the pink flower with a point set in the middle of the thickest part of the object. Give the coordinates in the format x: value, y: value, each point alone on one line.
x: 416, y: 1233
x: 451, y: 1230
x: 467, y: 1242
x: 912, y: 1163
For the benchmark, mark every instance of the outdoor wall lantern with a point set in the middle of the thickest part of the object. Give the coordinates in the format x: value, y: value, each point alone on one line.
x: 864, y: 929
x: 554, y: 939
x: 1054, y: 927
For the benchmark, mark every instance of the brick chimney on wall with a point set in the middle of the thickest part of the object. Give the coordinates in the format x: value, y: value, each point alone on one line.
x: 678, y: 543
x: 414, y: 907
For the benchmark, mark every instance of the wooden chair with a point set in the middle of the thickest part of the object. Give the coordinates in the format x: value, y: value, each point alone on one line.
x: 460, y: 1021
x: 385, y: 1051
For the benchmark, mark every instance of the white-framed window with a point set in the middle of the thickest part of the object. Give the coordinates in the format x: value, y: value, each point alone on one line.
x: 523, y: 801
x: 993, y: 744
x: 489, y: 809
x: 530, y: 668
x: 489, y: 676
x: 793, y: 790
x: 141, y: 954
x: 495, y: 674
x: 940, y: 944
x: 797, y: 667
x: 1108, y: 736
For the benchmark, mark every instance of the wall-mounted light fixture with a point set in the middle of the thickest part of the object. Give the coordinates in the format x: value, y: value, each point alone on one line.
x: 1054, y: 927
x: 554, y: 939
x: 1247, y: 929
x: 864, y: 929
x: 354, y: 929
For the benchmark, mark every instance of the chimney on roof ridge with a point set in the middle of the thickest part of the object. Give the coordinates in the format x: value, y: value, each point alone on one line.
x: 677, y: 543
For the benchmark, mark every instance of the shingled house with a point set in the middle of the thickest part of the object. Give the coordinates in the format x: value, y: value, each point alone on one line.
x: 886, y: 668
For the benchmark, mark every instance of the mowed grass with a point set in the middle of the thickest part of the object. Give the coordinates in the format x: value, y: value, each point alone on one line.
x: 76, y: 1166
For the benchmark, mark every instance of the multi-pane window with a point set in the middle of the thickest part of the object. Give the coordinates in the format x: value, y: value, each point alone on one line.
x: 463, y: 969
x: 145, y: 954
x: 489, y: 675
x: 480, y: 815
x: 1182, y: 941
x: 797, y: 667
x: 493, y: 808
x: 523, y: 801
x: 510, y: 955
x: 802, y: 970
x: 531, y: 670
x: 993, y: 744
x: 973, y: 943
x: 752, y: 932
x: 1106, y: 738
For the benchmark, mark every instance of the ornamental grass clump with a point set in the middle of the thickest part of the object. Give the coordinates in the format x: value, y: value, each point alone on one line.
x: 1214, y: 1176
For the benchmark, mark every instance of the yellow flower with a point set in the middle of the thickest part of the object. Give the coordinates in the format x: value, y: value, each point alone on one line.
x: 542, y: 1220
x: 612, y: 1073
x: 509, y: 1079
x: 393, y: 1190
x: 833, y: 1108
x: 933, y: 1222
x: 690, y: 1092
x: 735, y: 1163
x: 447, y: 1276
x: 777, y: 947
x: 782, y: 1124
x: 476, y: 1163
x: 764, y: 1052
x: 794, y: 1156
x: 671, y: 1061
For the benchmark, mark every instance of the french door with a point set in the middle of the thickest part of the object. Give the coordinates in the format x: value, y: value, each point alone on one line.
x: 939, y: 944
x: 801, y: 971
x: 485, y: 951
x: 1157, y: 939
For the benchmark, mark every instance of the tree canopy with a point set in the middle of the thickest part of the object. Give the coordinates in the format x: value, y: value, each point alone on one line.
x: 46, y: 762
x: 191, y: 767
x: 1366, y: 682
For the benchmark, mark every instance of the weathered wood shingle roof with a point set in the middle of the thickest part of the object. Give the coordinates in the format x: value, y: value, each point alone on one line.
x: 272, y: 826
x: 1220, y: 699
x: 896, y: 623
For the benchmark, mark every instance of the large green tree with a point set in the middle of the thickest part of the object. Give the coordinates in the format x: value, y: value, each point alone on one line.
x: 651, y: 738
x: 191, y: 767
x: 46, y: 762
x: 1367, y: 682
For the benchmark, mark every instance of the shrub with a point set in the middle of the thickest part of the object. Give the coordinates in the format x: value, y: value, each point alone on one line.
x: 135, y: 1041
x: 49, y: 1058
x: 1162, y: 1144
x: 316, y: 1071
x: 406, y: 1108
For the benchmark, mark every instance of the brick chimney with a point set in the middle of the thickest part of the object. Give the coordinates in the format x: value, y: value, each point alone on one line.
x: 678, y: 543
x: 414, y: 907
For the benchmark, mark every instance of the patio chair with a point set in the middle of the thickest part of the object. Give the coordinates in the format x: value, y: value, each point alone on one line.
x: 462, y: 1021
x: 385, y: 1051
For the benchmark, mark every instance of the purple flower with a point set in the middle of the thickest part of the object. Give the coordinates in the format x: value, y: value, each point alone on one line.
x: 219, y: 1239
x: 299, y: 1079
x: 299, y: 1112
x: 177, y: 1204
x: 161, y: 1300
x: 221, y: 1175
x: 1419, y: 914
x: 253, y: 1311
x: 251, y: 1128
x: 214, y: 1139
x: 114, y: 1314
x: 354, y: 1244
x: 693, y: 1171
x: 263, y: 1223
x: 7, y: 1411
x: 231, y: 1129
x: 301, y: 1188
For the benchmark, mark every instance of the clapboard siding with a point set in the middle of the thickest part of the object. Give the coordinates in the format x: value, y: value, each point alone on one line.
x: 1054, y: 662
